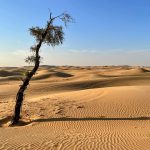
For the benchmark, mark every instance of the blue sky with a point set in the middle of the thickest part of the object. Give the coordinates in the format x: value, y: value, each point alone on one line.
x: 105, y: 32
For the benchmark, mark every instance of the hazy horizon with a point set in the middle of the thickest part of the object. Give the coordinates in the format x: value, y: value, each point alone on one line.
x: 106, y: 33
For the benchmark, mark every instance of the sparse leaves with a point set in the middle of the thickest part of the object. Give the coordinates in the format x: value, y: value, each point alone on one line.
x: 66, y: 18
x: 37, y: 32
x: 55, y: 36
x: 30, y: 59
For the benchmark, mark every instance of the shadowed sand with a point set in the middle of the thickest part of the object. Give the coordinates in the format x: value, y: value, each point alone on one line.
x: 73, y: 108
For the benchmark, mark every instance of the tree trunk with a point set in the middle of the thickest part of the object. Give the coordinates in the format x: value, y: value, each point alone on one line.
x: 20, y: 94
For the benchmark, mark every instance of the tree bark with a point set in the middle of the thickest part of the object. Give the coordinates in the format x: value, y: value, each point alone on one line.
x: 20, y: 94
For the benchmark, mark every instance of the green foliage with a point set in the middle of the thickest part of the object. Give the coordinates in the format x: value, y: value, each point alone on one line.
x: 55, y: 36
x: 30, y: 59
x: 25, y: 73
x: 37, y: 32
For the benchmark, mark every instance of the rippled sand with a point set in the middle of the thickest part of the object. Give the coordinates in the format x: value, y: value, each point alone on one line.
x: 78, y: 108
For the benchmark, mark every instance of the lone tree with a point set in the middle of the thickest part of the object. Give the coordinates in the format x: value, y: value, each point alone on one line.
x: 51, y: 35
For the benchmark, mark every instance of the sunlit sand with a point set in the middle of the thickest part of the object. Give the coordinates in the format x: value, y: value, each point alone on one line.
x: 72, y: 108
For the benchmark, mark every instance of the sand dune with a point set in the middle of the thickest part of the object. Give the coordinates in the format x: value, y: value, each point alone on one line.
x: 78, y: 108
x: 4, y: 73
x: 44, y: 74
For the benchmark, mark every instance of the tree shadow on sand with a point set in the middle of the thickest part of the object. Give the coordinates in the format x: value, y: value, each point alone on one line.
x: 88, y: 119
x: 23, y: 123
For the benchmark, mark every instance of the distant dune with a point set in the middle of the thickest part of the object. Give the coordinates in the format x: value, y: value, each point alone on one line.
x: 77, y: 108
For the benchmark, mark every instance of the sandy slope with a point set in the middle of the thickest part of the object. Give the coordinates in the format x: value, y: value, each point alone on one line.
x: 75, y: 108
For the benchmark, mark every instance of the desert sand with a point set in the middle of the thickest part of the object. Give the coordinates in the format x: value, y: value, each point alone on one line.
x: 77, y: 108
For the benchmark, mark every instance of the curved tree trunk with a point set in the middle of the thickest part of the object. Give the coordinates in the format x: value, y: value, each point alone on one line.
x: 20, y: 94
